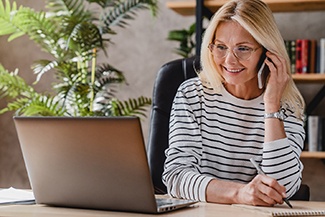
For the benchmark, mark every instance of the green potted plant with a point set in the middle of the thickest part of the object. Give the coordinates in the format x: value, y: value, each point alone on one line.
x: 185, y: 39
x: 73, y: 33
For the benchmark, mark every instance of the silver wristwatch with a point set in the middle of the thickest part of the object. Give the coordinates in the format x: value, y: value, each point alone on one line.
x: 279, y: 115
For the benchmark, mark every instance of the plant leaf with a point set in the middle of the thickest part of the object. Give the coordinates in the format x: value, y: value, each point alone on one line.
x: 130, y: 107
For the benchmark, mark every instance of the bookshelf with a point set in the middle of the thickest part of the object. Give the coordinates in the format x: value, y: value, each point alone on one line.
x: 188, y: 7
x: 317, y: 154
x: 309, y: 78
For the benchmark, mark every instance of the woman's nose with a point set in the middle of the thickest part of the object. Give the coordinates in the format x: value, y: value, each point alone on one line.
x: 231, y: 57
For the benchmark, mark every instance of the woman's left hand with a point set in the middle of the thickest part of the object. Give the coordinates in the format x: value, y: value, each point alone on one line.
x: 277, y: 82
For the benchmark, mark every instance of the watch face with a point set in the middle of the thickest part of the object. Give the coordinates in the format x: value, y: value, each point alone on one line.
x: 280, y: 116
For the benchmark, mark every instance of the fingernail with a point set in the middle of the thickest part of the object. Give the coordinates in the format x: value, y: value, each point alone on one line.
x: 284, y: 194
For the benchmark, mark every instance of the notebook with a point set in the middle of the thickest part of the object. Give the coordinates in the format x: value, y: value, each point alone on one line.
x: 90, y: 162
x: 284, y: 210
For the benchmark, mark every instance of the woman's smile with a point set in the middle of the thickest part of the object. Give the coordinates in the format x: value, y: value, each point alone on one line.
x: 234, y: 70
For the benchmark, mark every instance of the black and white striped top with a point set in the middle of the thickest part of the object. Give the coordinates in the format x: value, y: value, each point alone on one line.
x: 214, y: 136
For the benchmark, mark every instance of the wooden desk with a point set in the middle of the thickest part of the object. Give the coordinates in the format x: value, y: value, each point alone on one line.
x: 199, y: 210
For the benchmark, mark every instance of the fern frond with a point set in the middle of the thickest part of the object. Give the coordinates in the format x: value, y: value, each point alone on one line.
x: 130, y: 107
x: 6, y: 11
x: 12, y: 85
x: 25, y: 100
x: 35, y: 105
x: 39, y: 105
x: 8, y: 20
x: 66, y: 7
x: 43, y: 31
x: 27, y: 21
x: 107, y: 74
x: 66, y: 70
x: 106, y: 80
x: 40, y: 67
x: 75, y: 97
x: 102, y: 3
x: 17, y: 22
x: 84, y: 37
x: 15, y: 105
x: 125, y: 10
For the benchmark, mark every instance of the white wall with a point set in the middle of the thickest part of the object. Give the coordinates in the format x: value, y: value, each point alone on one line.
x: 139, y: 50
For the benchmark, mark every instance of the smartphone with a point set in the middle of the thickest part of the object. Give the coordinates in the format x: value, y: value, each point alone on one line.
x: 263, y: 71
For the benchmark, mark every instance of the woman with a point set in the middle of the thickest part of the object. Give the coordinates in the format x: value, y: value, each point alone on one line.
x: 222, y: 119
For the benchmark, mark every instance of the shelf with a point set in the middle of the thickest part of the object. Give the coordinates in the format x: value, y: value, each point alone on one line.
x: 318, y: 154
x: 309, y: 78
x: 187, y: 8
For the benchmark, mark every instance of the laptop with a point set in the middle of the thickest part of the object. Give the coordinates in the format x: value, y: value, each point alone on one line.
x: 90, y: 162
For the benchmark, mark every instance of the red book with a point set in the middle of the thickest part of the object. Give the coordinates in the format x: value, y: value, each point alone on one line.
x: 312, y: 55
x: 298, y: 56
x: 304, y: 55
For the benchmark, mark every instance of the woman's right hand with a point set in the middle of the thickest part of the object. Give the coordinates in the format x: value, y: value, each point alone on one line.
x: 262, y: 191
x: 277, y: 82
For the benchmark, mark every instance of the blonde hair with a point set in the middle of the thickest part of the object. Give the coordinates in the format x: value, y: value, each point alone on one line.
x: 257, y: 18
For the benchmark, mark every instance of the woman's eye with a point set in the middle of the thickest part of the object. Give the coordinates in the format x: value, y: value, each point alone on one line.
x: 221, y: 47
x: 244, y: 49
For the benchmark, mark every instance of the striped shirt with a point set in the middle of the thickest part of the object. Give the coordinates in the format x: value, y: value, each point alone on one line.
x: 213, y: 135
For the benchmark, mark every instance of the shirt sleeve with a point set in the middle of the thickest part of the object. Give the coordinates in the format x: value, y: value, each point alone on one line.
x: 281, y: 158
x: 181, y: 171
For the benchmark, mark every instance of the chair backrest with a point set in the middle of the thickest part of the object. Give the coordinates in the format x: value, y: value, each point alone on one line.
x: 302, y: 194
x: 168, y: 79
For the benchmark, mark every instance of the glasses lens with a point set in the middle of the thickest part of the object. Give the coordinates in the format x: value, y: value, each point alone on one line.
x: 243, y: 52
x: 219, y: 51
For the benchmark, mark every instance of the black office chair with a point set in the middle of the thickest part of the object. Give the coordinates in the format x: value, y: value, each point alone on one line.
x: 168, y: 79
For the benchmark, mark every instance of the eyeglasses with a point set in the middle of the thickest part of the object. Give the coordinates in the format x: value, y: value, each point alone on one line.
x: 240, y: 52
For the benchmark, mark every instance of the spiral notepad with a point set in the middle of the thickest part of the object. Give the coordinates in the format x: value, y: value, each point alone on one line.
x: 283, y: 210
x: 299, y: 213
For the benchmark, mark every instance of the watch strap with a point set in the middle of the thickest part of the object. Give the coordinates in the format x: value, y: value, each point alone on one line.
x: 279, y: 115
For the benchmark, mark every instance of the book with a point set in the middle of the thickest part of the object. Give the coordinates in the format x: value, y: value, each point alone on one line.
x: 16, y: 196
x: 291, y: 50
x: 312, y: 55
x: 321, y: 134
x: 322, y: 55
x: 317, y: 57
x: 298, y: 56
x: 313, y: 124
x: 316, y: 133
x: 284, y: 210
x: 304, y: 56
x: 293, y: 56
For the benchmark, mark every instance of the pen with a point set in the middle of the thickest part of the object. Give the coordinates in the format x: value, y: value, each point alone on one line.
x: 260, y: 171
